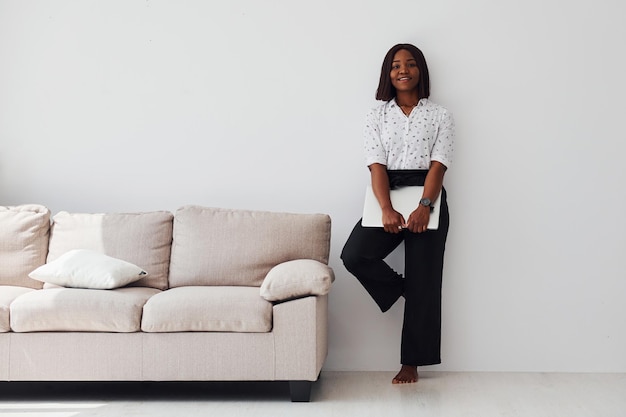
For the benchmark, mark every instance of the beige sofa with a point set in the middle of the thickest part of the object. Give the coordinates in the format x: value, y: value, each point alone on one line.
x: 229, y: 295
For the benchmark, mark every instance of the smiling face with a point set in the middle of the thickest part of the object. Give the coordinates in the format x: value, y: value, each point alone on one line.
x: 404, y: 71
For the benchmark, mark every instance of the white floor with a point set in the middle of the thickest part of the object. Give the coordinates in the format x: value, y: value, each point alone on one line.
x: 335, y: 394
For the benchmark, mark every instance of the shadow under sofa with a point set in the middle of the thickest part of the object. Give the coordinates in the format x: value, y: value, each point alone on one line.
x: 230, y: 295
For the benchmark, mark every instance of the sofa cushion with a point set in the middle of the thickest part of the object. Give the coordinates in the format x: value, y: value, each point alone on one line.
x: 143, y: 239
x: 214, y: 246
x: 82, y: 268
x: 295, y: 279
x: 208, y: 309
x: 7, y: 295
x: 24, y: 232
x: 80, y: 310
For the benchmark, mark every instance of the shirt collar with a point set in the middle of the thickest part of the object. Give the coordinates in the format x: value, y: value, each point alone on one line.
x: 422, y: 102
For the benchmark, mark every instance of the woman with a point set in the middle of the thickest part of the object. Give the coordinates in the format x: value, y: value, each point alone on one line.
x: 409, y: 140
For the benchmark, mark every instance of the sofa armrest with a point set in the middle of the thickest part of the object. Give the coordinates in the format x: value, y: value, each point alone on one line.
x: 300, y: 338
x: 296, y: 279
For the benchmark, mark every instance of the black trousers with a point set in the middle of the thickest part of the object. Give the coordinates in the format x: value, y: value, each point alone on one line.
x: 363, y: 255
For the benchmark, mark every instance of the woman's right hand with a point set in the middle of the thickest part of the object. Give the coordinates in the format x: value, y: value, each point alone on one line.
x: 393, y: 222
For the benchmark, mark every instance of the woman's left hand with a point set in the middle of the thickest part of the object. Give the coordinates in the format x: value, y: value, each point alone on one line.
x: 418, y: 220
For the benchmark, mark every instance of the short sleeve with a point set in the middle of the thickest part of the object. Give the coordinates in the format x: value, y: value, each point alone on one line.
x: 443, y: 148
x: 374, y: 150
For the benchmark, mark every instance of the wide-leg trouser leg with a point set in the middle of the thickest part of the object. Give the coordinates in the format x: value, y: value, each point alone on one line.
x: 363, y: 255
x: 421, y: 330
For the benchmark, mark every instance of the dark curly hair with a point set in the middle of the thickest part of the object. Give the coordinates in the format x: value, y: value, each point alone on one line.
x: 386, y: 91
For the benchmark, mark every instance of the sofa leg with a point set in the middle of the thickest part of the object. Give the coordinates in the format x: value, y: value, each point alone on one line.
x: 300, y: 391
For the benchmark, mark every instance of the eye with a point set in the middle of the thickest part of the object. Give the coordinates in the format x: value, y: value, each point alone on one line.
x: 395, y: 66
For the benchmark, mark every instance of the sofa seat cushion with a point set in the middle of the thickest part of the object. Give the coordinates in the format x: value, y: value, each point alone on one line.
x: 9, y: 293
x: 80, y: 310
x: 24, y: 233
x: 208, y: 309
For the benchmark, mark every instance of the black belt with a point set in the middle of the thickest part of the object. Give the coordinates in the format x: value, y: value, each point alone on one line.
x: 404, y: 177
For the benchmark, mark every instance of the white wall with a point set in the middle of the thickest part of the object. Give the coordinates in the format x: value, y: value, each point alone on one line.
x: 132, y: 105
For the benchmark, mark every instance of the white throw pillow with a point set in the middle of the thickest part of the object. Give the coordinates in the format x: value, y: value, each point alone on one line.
x: 298, y: 278
x: 81, y: 268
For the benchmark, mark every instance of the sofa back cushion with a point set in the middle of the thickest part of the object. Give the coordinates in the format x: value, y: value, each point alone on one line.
x: 215, y: 246
x: 24, y: 233
x: 143, y: 239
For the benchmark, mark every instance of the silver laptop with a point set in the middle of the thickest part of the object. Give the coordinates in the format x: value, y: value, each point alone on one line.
x: 404, y: 200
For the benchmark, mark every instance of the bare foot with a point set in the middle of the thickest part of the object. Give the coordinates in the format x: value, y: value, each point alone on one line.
x: 407, y: 375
